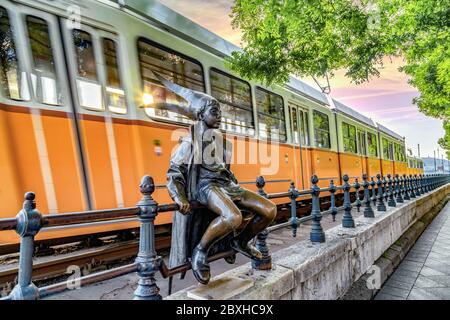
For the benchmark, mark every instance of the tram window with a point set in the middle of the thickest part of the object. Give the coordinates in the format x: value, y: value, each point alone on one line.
x: 387, y: 149
x: 45, y: 83
x: 321, y: 130
x: 294, y: 125
x: 235, y: 100
x: 304, y: 127
x: 173, y: 66
x: 13, y: 80
x: 391, y: 150
x: 270, y: 115
x: 362, y: 142
x: 115, y: 95
x: 89, y: 90
x: 399, y: 152
x: 349, y: 135
x: 372, y: 144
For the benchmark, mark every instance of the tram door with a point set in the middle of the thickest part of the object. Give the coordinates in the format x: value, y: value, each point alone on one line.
x: 96, y: 68
x: 363, y: 152
x: 300, y: 137
x: 36, y: 115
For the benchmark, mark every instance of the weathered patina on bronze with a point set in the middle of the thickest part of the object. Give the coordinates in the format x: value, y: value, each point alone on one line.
x: 200, y: 171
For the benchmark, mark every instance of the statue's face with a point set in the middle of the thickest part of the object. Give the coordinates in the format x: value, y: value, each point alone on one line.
x: 212, y: 115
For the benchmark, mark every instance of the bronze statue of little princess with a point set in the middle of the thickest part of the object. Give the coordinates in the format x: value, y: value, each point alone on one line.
x: 200, y: 171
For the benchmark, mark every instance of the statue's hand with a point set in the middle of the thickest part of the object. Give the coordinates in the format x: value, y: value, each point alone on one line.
x: 184, y: 205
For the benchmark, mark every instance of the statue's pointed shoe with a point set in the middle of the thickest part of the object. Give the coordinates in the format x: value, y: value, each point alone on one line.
x: 200, y: 266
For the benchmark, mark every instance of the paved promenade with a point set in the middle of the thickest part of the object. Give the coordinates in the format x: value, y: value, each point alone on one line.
x: 424, y: 274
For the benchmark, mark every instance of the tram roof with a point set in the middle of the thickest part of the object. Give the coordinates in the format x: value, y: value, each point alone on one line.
x: 389, y: 132
x: 342, y: 108
x: 185, y: 28
x: 202, y: 37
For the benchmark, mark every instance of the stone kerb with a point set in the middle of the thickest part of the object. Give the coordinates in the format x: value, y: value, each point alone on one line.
x: 309, y: 270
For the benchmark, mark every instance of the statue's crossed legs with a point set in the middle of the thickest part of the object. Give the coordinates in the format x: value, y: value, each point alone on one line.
x: 229, y: 219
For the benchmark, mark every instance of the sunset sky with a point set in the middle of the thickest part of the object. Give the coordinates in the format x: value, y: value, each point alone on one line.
x: 387, y: 99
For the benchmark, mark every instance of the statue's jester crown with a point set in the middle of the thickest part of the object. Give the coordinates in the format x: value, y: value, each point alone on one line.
x: 197, y: 101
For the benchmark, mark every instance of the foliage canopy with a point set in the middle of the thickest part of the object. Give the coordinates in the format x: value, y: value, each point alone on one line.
x: 316, y: 37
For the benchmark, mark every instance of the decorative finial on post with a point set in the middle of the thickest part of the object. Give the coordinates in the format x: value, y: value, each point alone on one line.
x: 374, y: 191
x: 386, y: 189
x: 317, y: 234
x: 147, y: 260
x: 356, y: 185
x: 333, y: 200
x: 412, y: 186
x: 260, y: 183
x: 406, y: 188
x: 368, y: 212
x: 391, y: 201
x: 399, y: 189
x: 380, y: 203
x: 417, y: 183
x: 29, y: 222
x: 347, y: 219
x: 294, y: 220
x: 422, y: 191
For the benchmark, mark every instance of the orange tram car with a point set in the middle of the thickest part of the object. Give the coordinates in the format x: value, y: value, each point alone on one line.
x: 75, y: 75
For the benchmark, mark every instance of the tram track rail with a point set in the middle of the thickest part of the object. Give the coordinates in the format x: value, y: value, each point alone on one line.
x: 86, y: 259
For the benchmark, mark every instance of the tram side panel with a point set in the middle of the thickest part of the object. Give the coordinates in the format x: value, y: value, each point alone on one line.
x: 374, y: 166
x: 352, y: 165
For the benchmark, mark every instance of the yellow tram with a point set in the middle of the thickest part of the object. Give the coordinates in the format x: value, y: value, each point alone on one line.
x: 74, y: 78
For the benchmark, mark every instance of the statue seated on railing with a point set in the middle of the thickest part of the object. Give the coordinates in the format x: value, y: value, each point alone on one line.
x: 200, y: 171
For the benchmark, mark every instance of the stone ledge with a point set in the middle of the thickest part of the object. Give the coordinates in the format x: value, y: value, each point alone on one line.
x: 309, y: 270
x: 392, y: 257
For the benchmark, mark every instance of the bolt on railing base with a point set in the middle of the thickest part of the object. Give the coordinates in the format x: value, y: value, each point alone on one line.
x: 147, y: 289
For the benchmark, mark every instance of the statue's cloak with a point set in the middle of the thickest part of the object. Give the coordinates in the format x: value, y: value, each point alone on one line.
x: 182, y: 175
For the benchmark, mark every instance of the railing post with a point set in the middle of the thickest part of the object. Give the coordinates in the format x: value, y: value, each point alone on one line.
x: 317, y: 234
x: 406, y: 187
x: 374, y: 191
x: 416, y: 178
x: 412, y: 186
x: 391, y: 201
x: 427, y: 183
x: 147, y: 260
x: 368, y: 212
x: 347, y: 219
x: 419, y: 185
x: 294, y: 219
x: 422, y: 184
x: 261, y: 238
x: 399, y: 189
x: 386, y: 189
x: 333, y: 208
x: 357, y: 202
x: 380, y: 204
x: 394, y: 186
x: 29, y: 222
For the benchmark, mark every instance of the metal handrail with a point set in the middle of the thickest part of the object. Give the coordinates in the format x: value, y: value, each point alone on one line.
x: 29, y: 221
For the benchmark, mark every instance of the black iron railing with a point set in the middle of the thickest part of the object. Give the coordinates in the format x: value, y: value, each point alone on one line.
x: 29, y: 222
